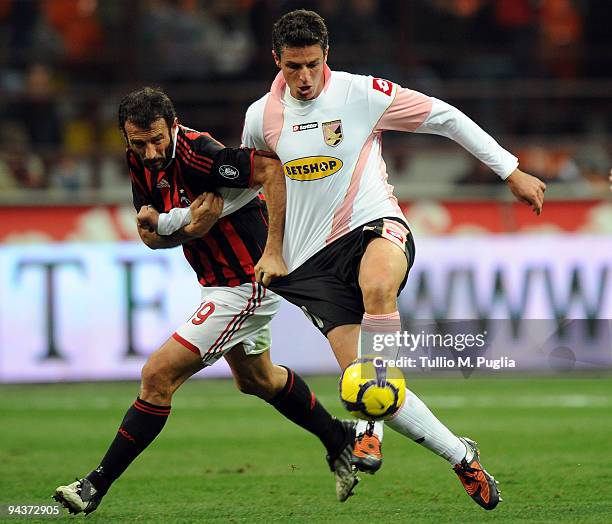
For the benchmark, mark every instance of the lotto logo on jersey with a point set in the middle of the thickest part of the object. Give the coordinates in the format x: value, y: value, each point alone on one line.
x: 382, y: 85
x: 312, y: 168
x: 305, y: 127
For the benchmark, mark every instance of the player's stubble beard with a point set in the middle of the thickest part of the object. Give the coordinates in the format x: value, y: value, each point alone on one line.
x: 160, y: 164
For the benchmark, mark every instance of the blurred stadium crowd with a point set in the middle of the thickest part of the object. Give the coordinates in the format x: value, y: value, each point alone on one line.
x: 535, y: 73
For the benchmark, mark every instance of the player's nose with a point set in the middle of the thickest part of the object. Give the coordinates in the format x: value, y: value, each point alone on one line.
x: 305, y: 76
x: 150, y: 152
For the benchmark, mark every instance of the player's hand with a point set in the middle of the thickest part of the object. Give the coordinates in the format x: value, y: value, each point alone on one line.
x: 269, y: 267
x: 147, y: 218
x: 527, y: 189
x: 205, y: 211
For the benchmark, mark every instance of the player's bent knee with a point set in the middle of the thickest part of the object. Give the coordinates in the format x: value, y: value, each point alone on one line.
x: 246, y: 386
x: 156, y: 384
x: 256, y: 386
x: 379, y: 292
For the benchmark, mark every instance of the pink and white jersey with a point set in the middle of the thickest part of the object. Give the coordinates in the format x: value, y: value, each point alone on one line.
x: 330, y: 148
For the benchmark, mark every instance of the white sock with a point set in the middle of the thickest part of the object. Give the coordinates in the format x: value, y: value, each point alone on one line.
x: 415, y: 421
x: 362, y: 426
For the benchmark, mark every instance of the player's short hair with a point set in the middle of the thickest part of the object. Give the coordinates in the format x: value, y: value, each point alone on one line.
x: 144, y: 106
x: 300, y: 28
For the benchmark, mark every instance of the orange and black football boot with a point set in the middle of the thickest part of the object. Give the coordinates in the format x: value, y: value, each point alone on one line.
x: 482, y: 487
x: 367, y: 452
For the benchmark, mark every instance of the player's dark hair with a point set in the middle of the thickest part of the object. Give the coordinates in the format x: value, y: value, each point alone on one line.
x: 144, y: 106
x: 299, y: 28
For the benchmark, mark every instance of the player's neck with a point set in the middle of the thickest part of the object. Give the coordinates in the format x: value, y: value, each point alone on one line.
x: 290, y: 100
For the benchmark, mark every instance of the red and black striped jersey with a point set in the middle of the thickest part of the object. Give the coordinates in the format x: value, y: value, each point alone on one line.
x: 227, y: 254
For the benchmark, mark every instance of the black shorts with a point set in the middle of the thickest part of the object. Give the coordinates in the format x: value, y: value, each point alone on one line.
x: 326, y: 286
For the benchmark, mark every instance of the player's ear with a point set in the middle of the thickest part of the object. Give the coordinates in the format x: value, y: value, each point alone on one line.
x: 276, y: 59
x: 325, y: 54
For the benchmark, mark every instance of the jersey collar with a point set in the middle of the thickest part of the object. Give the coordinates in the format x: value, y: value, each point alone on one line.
x: 174, y: 138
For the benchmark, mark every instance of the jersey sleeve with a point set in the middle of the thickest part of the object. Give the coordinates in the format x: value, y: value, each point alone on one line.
x: 412, y: 111
x: 252, y: 132
x: 379, y: 94
x: 173, y: 220
x: 233, y: 167
x: 407, y: 111
x: 226, y: 166
x: 448, y: 121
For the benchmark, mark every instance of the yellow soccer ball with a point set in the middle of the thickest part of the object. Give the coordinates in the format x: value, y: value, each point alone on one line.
x: 372, y: 392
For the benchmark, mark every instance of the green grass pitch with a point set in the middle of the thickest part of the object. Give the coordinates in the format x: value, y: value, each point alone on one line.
x: 225, y: 457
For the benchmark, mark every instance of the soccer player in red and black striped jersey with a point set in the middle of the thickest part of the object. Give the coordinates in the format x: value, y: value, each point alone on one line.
x: 228, y: 238
x: 170, y: 176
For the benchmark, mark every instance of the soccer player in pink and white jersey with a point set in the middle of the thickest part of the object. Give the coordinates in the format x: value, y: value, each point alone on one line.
x: 347, y: 245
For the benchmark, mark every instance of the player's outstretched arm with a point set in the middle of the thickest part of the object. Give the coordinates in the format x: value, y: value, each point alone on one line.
x: 527, y: 189
x: 201, y: 215
x: 449, y: 121
x: 268, y: 172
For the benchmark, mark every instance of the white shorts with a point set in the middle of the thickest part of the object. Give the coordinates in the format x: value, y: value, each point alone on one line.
x: 228, y: 316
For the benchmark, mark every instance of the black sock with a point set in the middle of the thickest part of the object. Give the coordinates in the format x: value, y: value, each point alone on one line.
x: 141, y: 424
x: 296, y: 402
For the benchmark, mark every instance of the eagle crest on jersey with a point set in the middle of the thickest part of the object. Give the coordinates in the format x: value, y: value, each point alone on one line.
x: 332, y: 132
